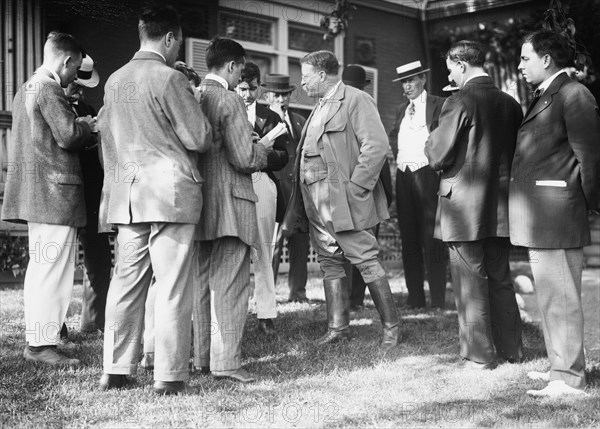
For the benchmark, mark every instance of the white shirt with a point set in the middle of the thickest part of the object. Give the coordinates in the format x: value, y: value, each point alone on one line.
x: 412, y: 135
x: 154, y: 52
x: 54, y: 74
x: 219, y: 79
x: 545, y: 84
x: 251, y: 111
x: 476, y: 75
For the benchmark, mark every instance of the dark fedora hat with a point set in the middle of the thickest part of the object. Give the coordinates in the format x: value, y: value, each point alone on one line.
x: 409, y: 70
x: 279, y: 83
x: 354, y: 75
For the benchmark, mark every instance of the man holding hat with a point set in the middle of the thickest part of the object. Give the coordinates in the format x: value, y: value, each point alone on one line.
x: 277, y: 93
x: 96, y: 248
x: 416, y: 188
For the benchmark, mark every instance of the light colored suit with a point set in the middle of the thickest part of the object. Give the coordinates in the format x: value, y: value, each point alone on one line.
x: 153, y: 193
x: 44, y: 188
x: 226, y: 231
x: 555, y: 180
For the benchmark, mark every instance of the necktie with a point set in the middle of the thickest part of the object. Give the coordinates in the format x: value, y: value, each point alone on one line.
x: 286, y: 121
x: 411, y: 110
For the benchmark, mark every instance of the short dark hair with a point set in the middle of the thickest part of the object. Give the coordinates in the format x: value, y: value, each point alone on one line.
x: 155, y: 22
x: 546, y: 42
x: 63, y: 42
x: 249, y: 72
x: 468, y: 51
x: 221, y: 50
x: 322, y: 61
x: 188, y: 72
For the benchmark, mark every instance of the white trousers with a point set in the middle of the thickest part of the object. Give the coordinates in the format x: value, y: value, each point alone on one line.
x: 48, y: 281
x: 264, y: 282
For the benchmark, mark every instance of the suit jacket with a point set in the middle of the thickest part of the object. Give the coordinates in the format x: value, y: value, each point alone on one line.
x: 559, y: 140
x: 44, y: 182
x: 286, y: 175
x: 433, y: 108
x: 353, y: 144
x: 266, y: 120
x: 152, y: 130
x: 229, y: 198
x: 473, y: 147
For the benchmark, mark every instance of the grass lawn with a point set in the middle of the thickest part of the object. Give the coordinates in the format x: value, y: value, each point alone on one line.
x: 417, y: 384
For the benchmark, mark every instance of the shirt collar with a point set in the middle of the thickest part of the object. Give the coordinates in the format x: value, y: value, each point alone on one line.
x: 154, y: 52
x: 420, y: 100
x: 329, y: 93
x: 54, y: 74
x: 218, y: 78
x: 476, y: 75
x: 545, y: 84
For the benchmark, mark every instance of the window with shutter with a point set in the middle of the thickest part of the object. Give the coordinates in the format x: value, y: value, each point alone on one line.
x: 371, y: 88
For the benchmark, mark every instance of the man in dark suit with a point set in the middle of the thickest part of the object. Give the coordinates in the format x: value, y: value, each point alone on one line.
x: 555, y: 181
x: 277, y: 93
x: 473, y: 147
x: 228, y: 230
x: 354, y: 75
x: 270, y: 204
x: 44, y: 188
x: 96, y: 248
x: 417, y: 186
x: 153, y: 192
x: 338, y: 195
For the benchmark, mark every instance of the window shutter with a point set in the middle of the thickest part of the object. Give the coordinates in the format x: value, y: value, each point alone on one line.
x: 371, y: 88
x: 195, y: 55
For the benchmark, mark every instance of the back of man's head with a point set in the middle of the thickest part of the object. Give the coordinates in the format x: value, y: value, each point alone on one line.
x: 221, y: 51
x: 155, y: 22
x: 61, y: 44
x: 322, y: 61
x: 467, y: 51
x: 546, y: 42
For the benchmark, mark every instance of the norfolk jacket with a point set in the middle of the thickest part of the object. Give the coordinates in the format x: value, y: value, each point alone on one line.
x: 44, y: 183
x: 353, y: 144
x: 266, y: 120
x: 229, y: 198
x: 473, y: 146
x: 433, y: 107
x: 556, y: 169
x: 152, y: 131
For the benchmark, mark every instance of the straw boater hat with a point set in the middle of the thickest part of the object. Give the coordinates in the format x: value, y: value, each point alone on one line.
x: 278, y: 83
x: 355, y: 75
x: 87, y: 75
x: 409, y: 70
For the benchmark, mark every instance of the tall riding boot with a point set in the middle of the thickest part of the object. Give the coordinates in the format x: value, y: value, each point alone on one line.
x: 338, y: 311
x: 384, y: 302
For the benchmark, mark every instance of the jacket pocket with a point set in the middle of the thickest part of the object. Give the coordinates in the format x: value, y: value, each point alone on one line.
x: 334, y: 126
x: 66, y: 179
x: 244, y: 193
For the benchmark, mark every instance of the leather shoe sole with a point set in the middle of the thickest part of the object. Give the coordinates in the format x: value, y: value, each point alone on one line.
x: 173, y: 388
x: 116, y: 381
x: 469, y: 364
x: 240, y: 375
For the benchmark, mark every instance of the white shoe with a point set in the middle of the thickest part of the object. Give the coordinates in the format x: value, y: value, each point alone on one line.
x: 555, y: 389
x: 537, y: 375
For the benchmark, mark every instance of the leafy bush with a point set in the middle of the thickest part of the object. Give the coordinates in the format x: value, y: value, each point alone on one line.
x: 14, y: 253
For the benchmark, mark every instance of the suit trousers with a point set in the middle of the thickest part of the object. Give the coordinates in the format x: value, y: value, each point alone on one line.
x: 264, y: 281
x: 98, y: 266
x: 334, y: 248
x: 298, y: 246
x: 221, y: 293
x: 164, y: 250
x: 48, y: 281
x: 488, y: 314
x: 557, y: 274
x: 416, y: 202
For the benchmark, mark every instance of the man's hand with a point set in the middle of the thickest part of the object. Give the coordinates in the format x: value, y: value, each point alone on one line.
x: 266, y: 142
x: 88, y: 120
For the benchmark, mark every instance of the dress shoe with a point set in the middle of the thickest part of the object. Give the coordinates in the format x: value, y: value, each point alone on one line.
x: 555, y: 389
x: 331, y: 337
x: 173, y: 388
x: 203, y: 370
x: 147, y: 362
x: 66, y: 344
x: 49, y: 356
x: 537, y: 375
x: 240, y: 375
x: 471, y: 364
x: 116, y: 381
x: 266, y: 326
x: 298, y: 299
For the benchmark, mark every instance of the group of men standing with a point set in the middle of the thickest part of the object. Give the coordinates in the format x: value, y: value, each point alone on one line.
x: 179, y: 188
